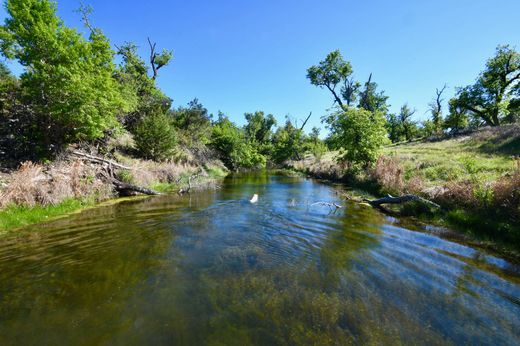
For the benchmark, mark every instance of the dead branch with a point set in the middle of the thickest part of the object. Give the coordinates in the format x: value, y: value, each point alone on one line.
x: 187, y: 190
x: 398, y: 200
x: 327, y: 204
x: 99, y: 160
x: 124, y: 189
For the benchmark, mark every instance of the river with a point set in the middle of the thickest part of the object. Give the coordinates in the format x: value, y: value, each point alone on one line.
x: 213, y: 269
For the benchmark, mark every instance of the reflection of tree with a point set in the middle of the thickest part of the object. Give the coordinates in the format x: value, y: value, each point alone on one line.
x: 358, y: 230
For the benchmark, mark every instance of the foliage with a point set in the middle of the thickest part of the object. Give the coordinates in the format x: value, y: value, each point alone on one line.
x: 155, y: 136
x: 456, y: 119
x: 287, y: 142
x: 229, y: 141
x: 408, y: 126
x: 193, y: 123
x: 495, y: 96
x: 258, y: 131
x: 360, y: 133
x: 138, y: 88
x: 68, y: 79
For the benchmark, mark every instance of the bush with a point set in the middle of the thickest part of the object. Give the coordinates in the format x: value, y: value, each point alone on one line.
x: 360, y: 133
x: 155, y: 137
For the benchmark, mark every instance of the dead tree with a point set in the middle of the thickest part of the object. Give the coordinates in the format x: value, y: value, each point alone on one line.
x: 158, y: 60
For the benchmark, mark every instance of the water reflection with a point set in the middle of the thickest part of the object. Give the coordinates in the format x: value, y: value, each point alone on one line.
x: 214, y: 269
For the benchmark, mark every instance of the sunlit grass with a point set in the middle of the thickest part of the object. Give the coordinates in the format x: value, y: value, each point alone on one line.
x: 15, y: 216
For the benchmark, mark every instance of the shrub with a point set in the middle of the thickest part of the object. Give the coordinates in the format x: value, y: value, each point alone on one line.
x: 360, y: 133
x: 155, y: 137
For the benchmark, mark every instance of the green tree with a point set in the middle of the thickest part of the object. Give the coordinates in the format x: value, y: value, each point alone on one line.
x: 229, y: 141
x: 193, y: 123
x: 408, y: 126
x: 138, y: 88
x: 155, y: 136
x: 495, y: 97
x: 394, y: 128
x: 371, y: 99
x: 258, y: 131
x: 359, y: 133
x: 68, y: 79
x: 288, y: 142
x: 330, y: 73
x: 456, y: 119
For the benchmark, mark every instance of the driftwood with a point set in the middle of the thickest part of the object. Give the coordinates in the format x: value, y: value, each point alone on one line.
x: 187, y: 190
x: 99, y: 160
x: 327, y: 204
x: 123, y: 189
x: 398, y: 200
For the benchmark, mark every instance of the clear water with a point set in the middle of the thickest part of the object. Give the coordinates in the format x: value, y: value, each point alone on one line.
x: 214, y: 269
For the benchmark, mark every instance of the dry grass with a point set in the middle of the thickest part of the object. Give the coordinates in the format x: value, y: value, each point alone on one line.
x: 34, y: 184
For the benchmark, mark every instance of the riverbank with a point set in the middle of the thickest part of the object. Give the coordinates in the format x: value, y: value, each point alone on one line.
x: 40, y: 192
x: 473, y: 177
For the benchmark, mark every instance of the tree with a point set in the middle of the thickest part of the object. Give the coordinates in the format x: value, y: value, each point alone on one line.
x: 229, y: 141
x: 456, y: 119
x: 68, y: 79
x: 138, y: 88
x: 155, y: 136
x: 372, y: 100
x: 359, y: 133
x: 496, y: 93
x: 287, y: 141
x: 409, y: 127
x: 394, y: 128
x: 193, y: 123
x: 330, y: 73
x: 436, y: 111
x: 258, y: 131
x: 158, y: 60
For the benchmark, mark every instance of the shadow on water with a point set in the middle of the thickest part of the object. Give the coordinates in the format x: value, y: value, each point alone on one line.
x: 213, y: 268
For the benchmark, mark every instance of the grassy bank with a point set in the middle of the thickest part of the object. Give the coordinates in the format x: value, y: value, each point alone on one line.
x: 474, y: 177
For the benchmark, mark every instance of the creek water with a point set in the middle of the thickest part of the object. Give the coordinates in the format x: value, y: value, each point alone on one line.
x: 214, y: 269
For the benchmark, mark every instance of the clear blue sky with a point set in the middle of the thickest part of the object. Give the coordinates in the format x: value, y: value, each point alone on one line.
x: 245, y: 55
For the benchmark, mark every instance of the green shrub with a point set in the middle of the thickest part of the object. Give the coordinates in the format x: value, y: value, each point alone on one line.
x: 155, y: 137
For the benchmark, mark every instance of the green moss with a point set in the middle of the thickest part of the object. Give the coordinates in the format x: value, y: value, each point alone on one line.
x: 15, y: 216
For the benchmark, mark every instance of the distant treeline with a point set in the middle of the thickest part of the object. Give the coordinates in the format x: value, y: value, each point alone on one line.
x: 73, y: 91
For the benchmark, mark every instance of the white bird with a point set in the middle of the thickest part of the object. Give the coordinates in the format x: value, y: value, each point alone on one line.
x: 254, y: 199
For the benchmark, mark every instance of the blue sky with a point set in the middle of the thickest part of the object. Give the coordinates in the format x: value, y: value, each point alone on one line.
x: 245, y: 55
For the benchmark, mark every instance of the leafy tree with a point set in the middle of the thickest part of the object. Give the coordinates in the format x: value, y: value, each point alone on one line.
x: 193, y: 123
x: 394, y: 128
x: 408, y: 126
x: 456, y: 119
x: 258, y: 131
x: 359, y: 133
x: 287, y: 142
x: 229, y: 141
x: 330, y: 73
x: 155, y: 136
x: 494, y: 98
x: 68, y: 79
x: 138, y: 88
x: 372, y: 100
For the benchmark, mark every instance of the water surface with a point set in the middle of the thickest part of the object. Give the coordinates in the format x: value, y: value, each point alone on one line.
x: 214, y: 269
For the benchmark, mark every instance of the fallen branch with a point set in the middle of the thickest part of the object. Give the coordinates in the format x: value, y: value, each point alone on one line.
x: 127, y: 189
x: 99, y: 160
x: 124, y: 189
x: 330, y: 205
x: 398, y: 200
x: 187, y: 190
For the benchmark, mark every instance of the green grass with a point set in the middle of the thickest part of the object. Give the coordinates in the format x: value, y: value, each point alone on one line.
x: 15, y: 216
x: 462, y: 158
